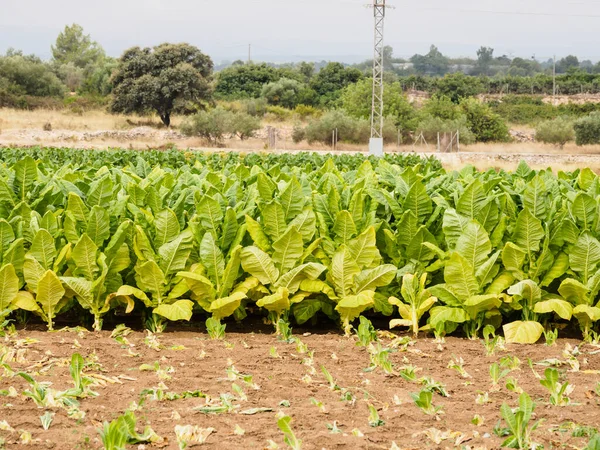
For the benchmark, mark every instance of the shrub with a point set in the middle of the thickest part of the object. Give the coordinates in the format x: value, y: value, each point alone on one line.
x: 282, y: 93
x: 244, y: 125
x: 304, y: 112
x: 430, y: 126
x: 211, y: 125
x: 442, y: 107
x: 486, y: 125
x: 277, y: 113
x: 558, y: 131
x: 298, y: 134
x: 256, y: 107
x: 587, y: 130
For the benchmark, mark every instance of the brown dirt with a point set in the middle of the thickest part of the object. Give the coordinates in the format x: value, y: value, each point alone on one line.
x: 201, y: 364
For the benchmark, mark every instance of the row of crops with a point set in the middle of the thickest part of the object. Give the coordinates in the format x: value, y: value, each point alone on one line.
x: 298, y: 238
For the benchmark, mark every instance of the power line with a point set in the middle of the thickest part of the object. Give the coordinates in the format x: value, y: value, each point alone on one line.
x: 509, y: 13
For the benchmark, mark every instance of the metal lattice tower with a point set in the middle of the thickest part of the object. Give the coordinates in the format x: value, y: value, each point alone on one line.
x: 376, y: 143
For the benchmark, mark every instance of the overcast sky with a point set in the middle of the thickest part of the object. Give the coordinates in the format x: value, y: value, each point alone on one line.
x: 286, y: 30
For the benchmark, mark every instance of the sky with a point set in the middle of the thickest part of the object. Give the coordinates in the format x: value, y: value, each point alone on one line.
x: 295, y: 30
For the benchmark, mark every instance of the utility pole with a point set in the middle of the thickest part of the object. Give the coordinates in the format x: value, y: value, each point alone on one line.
x: 249, y: 53
x: 376, y: 142
x: 554, y: 79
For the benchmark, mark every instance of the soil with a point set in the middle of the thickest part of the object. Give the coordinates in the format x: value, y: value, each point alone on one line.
x: 190, y: 361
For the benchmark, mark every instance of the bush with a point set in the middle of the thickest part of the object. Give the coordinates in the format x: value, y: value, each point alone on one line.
x: 304, y: 112
x: 216, y: 124
x: 320, y: 130
x: 430, y: 126
x: 282, y: 93
x: 277, y: 114
x: 587, y: 130
x: 256, y: 107
x: 486, y: 125
x: 442, y: 107
x: 244, y: 125
x: 558, y: 131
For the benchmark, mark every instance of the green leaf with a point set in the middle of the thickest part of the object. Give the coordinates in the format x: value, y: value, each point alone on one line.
x: 363, y: 248
x: 534, y: 198
x: 43, y: 248
x: 585, y: 211
x: 305, y: 223
x: 563, y: 309
x: 180, y: 310
x: 418, y: 202
x: 527, y: 290
x: 344, y: 227
x: 260, y: 265
x: 584, y: 257
x: 292, y: 280
x: 257, y: 234
x: 352, y: 306
x: 513, y: 257
x: 454, y: 226
x: 167, y: 227
x: 25, y: 176
x: 49, y: 294
x: 574, y: 291
x: 287, y: 250
x: 226, y: 306
x: 474, y: 244
x: 343, y: 271
x: 528, y: 232
x: 174, y: 255
x: 558, y: 269
x: 472, y: 200
x: 82, y: 290
x: 292, y: 199
x: 520, y: 332
x: 98, y: 225
x: 277, y: 302
x: 273, y: 219
x: 459, y: 277
x: 210, y: 213
x: 84, y: 257
x: 150, y: 278
x: 9, y: 286
x: 370, y: 279
x: 439, y: 315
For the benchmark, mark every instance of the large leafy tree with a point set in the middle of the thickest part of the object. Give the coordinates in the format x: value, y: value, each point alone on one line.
x: 161, y: 79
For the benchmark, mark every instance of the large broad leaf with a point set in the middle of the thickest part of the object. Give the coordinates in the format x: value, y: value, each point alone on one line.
x: 174, y: 255
x: 306, y: 310
x: 101, y: 192
x: 98, y: 225
x: 81, y: 289
x: 561, y: 308
x: 474, y: 244
x: 454, y: 226
x: 277, y: 302
x: 32, y: 271
x: 528, y: 232
x: 260, y: 265
x: 557, y: 270
x: 344, y: 227
x: 43, y: 248
x: 287, y: 250
x: 527, y: 290
x: 9, y: 286
x: 257, y: 234
x: 150, y: 278
x: 439, y: 315
x: 442, y: 292
x: 318, y: 286
x: 521, y: 332
x: 472, y: 200
x: 305, y: 223
x: 343, y: 271
x: 535, y: 197
x: 49, y: 294
x: 212, y: 258
x: 418, y: 201
x: 167, y: 227
x: 460, y: 278
x: 415, y: 250
x: 585, y: 211
x: 292, y: 199
x: 353, y: 306
x: 230, y: 228
x: 77, y: 207
x: 481, y: 303
x: 84, y: 257
x: 210, y: 213
x: 25, y: 176
x: 586, y: 314
x: 585, y: 255
x: 363, y: 248
x: 180, y: 310
x: 370, y: 279
x: 574, y: 291
x: 513, y: 257
x: 273, y: 219
x: 291, y: 280
x: 226, y: 306
x: 486, y: 272
x: 7, y: 236
x: 232, y: 271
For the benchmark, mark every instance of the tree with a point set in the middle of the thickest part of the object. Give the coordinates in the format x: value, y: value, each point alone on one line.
x: 524, y: 67
x: 331, y: 79
x: 433, y: 63
x: 486, y: 125
x: 457, y: 86
x: 558, y: 131
x: 72, y: 46
x: 244, y: 81
x: 306, y: 69
x: 485, y: 57
x: 161, y: 79
x: 567, y: 63
x: 284, y: 92
x: 28, y: 75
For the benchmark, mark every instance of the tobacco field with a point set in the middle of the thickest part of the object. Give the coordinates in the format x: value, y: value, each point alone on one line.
x: 231, y: 247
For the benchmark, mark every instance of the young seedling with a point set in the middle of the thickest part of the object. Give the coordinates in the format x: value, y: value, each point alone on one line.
x: 333, y: 428
x: 513, y: 386
x: 365, y: 332
x: 285, y: 331
x: 289, y: 437
x: 551, y: 336
x: 435, y: 387
x: 491, y: 341
x: 519, y: 430
x: 510, y: 362
x: 559, y: 393
x: 214, y: 328
x: 374, y: 419
x: 379, y: 358
x: 223, y: 405
x: 457, y: 364
x: 121, y: 432
x: 496, y: 374
x: 332, y: 383
x: 46, y: 419
x: 318, y: 404
x: 409, y: 373
x: 423, y: 400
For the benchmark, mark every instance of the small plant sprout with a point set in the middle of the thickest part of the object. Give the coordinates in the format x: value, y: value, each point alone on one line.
x: 374, y: 419
x: 423, y: 400
x: 318, y: 404
x: 491, y: 341
x: 482, y: 398
x: 457, y: 364
x: 214, y: 328
x: 273, y: 353
x: 510, y: 362
x: 379, y: 358
x: 365, y: 332
x: 519, y: 429
x: 289, y: 437
x: 551, y: 336
x: 285, y: 331
x: 191, y: 434
x: 417, y: 301
x: 559, y: 393
x: 496, y: 374
x: 478, y: 420
x: 513, y: 386
x: 120, y: 432
x: 332, y: 383
x: 333, y: 428
x: 46, y: 419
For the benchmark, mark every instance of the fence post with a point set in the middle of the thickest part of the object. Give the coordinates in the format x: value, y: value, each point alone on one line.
x: 458, y: 141
x: 438, y: 142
